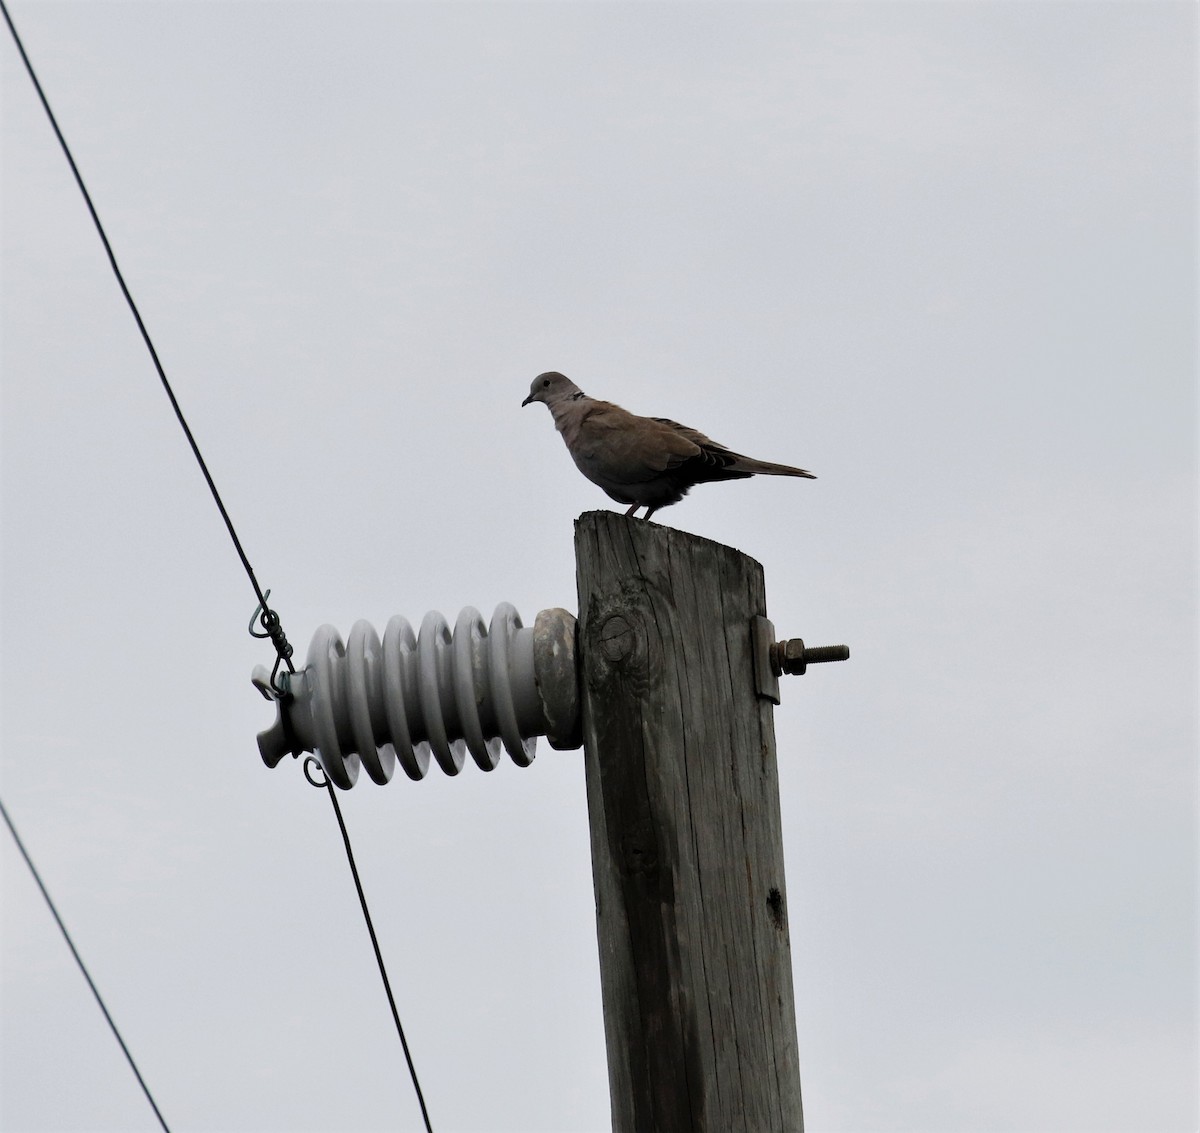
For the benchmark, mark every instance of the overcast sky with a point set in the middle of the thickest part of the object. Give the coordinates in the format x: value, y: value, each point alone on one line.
x: 944, y: 255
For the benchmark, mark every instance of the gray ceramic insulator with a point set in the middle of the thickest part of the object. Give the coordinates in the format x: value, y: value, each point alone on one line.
x: 477, y: 690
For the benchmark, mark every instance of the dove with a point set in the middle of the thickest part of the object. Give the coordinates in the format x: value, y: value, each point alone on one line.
x: 648, y: 462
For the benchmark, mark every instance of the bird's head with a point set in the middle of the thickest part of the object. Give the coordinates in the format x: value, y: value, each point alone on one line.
x: 551, y: 388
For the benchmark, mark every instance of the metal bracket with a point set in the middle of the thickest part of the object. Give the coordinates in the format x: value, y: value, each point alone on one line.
x: 762, y: 637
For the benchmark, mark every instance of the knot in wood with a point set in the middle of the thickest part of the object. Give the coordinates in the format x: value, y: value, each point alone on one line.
x: 639, y: 854
x: 617, y: 638
x: 775, y: 904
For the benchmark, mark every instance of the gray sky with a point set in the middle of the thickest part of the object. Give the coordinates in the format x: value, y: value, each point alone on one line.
x: 944, y: 255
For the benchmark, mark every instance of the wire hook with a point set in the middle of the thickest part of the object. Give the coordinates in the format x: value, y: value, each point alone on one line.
x: 282, y: 689
x: 269, y: 620
x: 254, y: 616
x: 309, y: 759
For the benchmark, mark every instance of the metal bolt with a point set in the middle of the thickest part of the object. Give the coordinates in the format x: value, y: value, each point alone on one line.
x: 793, y: 656
x: 773, y: 658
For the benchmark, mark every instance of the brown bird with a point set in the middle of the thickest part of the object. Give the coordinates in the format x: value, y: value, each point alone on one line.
x: 648, y: 462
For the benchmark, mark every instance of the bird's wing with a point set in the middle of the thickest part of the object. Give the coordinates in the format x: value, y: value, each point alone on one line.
x: 703, y: 450
x: 623, y: 447
x: 716, y: 462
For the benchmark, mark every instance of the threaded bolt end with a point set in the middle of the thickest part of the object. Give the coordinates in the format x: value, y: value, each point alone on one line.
x: 794, y: 657
x: 818, y: 654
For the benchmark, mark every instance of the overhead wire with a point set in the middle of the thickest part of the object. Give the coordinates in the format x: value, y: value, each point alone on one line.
x: 337, y: 810
x: 133, y: 307
x: 269, y: 619
x: 83, y: 968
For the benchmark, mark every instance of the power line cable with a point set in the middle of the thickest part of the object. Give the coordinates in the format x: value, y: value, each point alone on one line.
x: 82, y: 967
x: 269, y: 618
x: 337, y: 810
x: 112, y: 259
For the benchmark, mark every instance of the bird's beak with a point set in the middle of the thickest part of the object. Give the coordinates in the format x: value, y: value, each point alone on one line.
x: 526, y: 401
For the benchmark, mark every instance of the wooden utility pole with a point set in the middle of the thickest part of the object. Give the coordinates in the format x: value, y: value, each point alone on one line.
x: 687, y: 850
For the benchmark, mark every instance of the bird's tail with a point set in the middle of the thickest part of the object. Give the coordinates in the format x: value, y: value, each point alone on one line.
x: 766, y: 468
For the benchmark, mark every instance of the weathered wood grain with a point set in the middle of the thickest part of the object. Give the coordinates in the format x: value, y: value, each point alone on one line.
x: 687, y: 852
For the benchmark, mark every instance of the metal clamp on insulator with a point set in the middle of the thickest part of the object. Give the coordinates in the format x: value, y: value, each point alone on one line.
x: 480, y: 689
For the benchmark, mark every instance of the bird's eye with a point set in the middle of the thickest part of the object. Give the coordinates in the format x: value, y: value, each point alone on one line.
x: 546, y: 384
